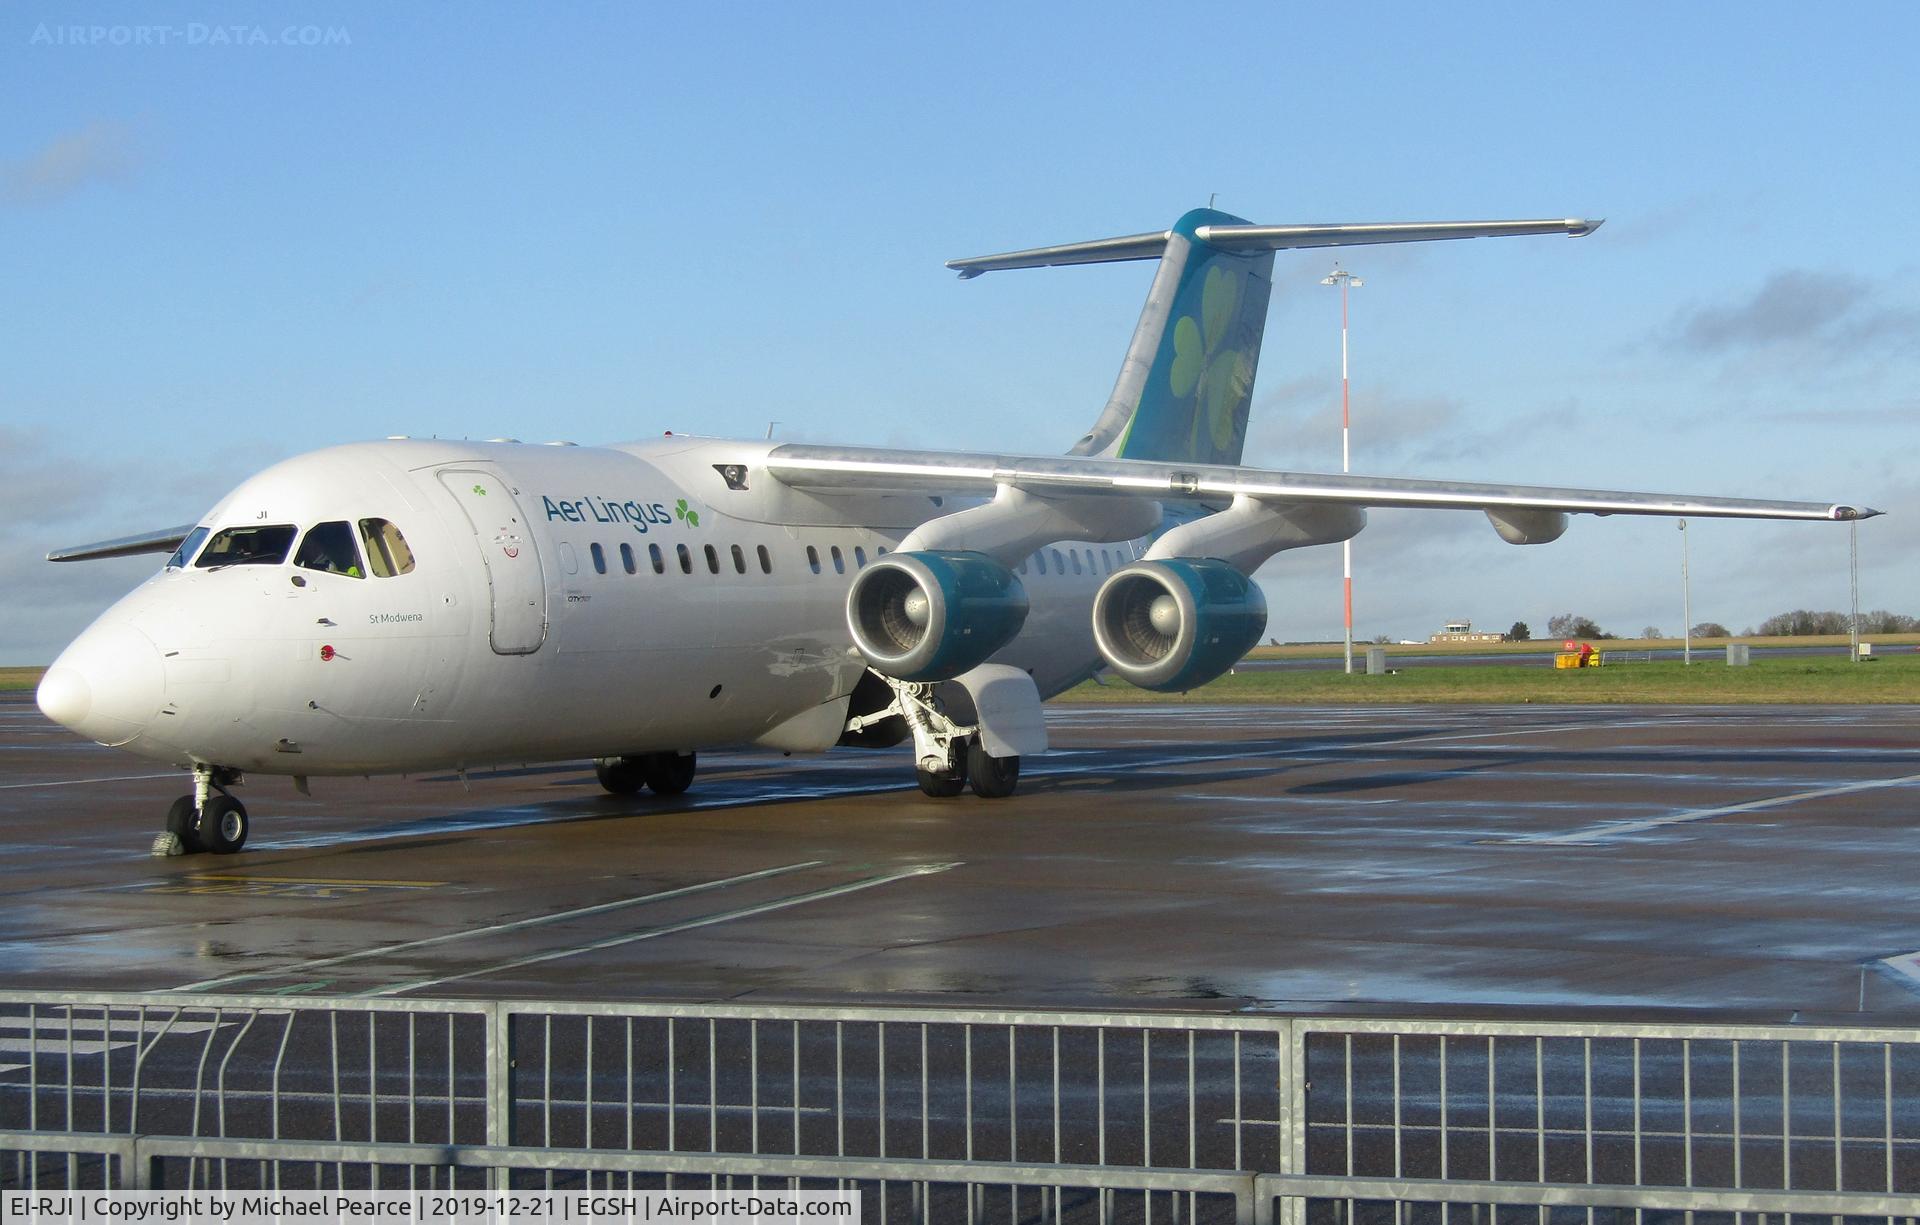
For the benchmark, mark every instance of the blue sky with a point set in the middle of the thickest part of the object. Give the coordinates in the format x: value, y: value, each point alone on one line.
x: 601, y: 221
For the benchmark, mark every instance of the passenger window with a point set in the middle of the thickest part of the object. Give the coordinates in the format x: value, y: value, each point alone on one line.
x: 859, y: 557
x: 329, y: 548
x: 766, y: 559
x: 1022, y: 568
x: 599, y: 557
x: 387, y: 551
x: 659, y: 562
x: 248, y: 546
x: 188, y: 547
x: 1075, y: 554
x: 1059, y: 563
x: 1106, y: 560
x: 813, y: 559
x: 739, y: 560
x: 713, y: 560
x: 1040, y: 561
x: 626, y: 558
x: 686, y: 558
x: 839, y: 562
x: 1090, y: 569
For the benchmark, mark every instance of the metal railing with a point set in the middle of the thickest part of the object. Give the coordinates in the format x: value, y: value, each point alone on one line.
x: 965, y: 1115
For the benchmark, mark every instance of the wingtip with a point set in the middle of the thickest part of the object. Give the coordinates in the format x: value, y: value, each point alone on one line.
x: 1580, y: 227
x: 1853, y: 514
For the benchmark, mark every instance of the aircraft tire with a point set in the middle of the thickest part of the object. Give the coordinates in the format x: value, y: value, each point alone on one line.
x: 180, y: 817
x: 992, y: 778
x: 222, y: 825
x: 669, y: 773
x: 947, y: 783
x: 619, y: 775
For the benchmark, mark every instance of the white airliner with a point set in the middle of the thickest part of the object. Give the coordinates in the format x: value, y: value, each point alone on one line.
x: 425, y: 604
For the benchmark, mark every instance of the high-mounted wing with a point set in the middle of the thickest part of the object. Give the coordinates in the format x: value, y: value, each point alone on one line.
x: 163, y: 541
x: 827, y: 469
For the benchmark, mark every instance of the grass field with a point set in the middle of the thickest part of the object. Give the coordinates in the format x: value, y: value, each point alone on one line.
x: 1547, y: 646
x: 1793, y: 679
x: 20, y: 678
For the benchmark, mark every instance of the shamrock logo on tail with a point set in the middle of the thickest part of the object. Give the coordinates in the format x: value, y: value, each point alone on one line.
x: 690, y: 517
x: 1203, y: 365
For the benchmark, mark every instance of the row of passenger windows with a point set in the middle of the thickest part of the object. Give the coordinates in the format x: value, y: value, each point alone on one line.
x: 331, y: 548
x: 684, y: 556
x: 1106, y: 561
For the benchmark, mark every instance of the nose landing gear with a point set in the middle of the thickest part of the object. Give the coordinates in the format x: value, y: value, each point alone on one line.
x: 208, y: 820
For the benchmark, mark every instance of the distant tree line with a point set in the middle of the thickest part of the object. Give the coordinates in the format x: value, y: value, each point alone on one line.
x: 1805, y: 621
x: 1798, y: 623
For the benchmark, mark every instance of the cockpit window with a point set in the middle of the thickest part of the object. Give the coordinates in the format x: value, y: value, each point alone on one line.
x: 387, y: 550
x: 188, y: 547
x: 262, y: 545
x: 329, y: 548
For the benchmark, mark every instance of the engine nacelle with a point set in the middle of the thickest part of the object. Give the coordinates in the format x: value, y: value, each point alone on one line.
x: 931, y: 615
x: 1176, y: 624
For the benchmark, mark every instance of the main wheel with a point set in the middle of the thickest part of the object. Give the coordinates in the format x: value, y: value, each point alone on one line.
x: 222, y: 825
x: 946, y: 783
x: 180, y: 818
x: 668, y: 773
x: 993, y: 778
x: 620, y: 775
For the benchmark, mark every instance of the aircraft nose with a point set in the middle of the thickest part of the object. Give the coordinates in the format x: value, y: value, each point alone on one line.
x: 107, y: 686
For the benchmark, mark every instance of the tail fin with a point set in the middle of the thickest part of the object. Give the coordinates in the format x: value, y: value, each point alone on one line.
x: 1187, y: 382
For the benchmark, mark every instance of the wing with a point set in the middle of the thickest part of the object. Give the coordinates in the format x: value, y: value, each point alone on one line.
x: 826, y: 469
x: 164, y: 541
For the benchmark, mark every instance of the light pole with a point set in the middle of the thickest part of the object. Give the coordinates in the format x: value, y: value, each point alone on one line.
x: 1686, y: 601
x: 1853, y: 586
x: 1345, y: 280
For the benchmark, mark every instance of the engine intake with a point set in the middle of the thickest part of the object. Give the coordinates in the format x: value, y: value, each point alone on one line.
x: 931, y: 615
x: 1176, y: 624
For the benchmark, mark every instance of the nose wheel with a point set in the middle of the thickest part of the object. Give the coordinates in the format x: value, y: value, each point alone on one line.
x: 209, y: 820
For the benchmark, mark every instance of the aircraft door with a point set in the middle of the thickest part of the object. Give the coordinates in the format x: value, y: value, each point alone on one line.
x: 518, y: 590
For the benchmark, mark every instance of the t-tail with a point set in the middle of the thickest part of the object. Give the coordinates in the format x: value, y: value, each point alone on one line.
x: 1186, y: 385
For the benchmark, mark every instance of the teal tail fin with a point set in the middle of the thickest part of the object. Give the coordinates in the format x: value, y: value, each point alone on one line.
x: 1187, y: 383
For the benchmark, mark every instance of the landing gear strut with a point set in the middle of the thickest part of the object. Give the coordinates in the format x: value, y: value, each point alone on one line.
x: 664, y: 773
x: 208, y: 820
x: 947, y: 755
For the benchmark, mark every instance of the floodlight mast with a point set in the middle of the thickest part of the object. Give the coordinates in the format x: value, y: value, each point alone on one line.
x: 1345, y: 280
x: 1686, y: 602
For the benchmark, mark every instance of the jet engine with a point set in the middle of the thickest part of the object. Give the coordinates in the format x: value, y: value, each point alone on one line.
x: 933, y: 614
x: 1172, y: 625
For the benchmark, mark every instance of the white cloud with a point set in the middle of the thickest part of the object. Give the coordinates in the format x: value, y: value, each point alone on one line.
x: 101, y: 152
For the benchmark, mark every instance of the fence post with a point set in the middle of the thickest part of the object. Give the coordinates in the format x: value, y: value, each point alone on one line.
x: 500, y: 1087
x: 1293, y: 1119
x: 136, y: 1170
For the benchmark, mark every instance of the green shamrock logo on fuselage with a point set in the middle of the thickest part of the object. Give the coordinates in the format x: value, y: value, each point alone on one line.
x: 689, y: 517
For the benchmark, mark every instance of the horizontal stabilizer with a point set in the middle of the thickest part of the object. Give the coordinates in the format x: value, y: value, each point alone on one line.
x: 1245, y: 238
x: 164, y: 541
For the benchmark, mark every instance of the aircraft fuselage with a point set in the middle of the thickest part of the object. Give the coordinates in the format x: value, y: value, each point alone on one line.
x: 563, y: 602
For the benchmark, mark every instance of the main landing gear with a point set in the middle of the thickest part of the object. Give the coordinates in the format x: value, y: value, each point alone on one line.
x: 208, y: 820
x: 948, y: 756
x: 661, y: 773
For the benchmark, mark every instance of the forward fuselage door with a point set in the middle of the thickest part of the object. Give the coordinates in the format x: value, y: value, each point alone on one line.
x: 518, y: 590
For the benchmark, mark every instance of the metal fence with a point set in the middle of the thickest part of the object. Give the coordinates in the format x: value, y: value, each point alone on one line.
x: 967, y: 1115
